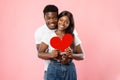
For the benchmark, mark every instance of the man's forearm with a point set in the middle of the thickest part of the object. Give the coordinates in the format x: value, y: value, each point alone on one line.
x: 46, y: 56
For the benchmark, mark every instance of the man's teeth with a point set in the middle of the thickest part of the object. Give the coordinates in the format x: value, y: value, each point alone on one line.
x: 51, y: 24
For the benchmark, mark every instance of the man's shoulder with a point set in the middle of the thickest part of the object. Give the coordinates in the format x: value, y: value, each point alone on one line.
x: 39, y: 34
x: 41, y: 29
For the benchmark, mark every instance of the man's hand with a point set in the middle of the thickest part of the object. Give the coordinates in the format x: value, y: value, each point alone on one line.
x: 54, y: 53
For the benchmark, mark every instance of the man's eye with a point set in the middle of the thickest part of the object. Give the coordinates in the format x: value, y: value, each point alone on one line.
x: 48, y: 18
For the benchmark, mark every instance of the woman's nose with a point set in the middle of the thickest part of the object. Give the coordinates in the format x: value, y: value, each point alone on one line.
x: 62, y: 23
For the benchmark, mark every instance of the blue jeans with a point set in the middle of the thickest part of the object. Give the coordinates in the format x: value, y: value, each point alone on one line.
x: 58, y: 71
x: 45, y: 75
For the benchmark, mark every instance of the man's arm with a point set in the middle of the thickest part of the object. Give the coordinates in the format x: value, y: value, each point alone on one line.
x: 43, y: 54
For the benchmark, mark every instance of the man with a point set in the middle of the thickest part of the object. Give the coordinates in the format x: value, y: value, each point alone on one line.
x: 51, y: 17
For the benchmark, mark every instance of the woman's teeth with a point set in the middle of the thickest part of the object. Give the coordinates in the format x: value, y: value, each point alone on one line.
x: 61, y: 26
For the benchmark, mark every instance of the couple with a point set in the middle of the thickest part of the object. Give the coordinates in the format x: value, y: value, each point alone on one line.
x: 58, y: 66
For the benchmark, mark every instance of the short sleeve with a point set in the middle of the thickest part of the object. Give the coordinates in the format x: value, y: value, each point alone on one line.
x: 77, y: 40
x: 46, y: 39
x: 37, y: 37
x: 75, y: 32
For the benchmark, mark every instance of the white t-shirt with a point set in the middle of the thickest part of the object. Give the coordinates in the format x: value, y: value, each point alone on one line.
x: 47, y: 39
x: 40, y: 33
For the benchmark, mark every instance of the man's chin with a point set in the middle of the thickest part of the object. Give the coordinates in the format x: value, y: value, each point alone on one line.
x: 52, y: 27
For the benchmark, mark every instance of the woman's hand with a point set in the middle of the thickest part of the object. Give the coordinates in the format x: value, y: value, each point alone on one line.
x: 69, y: 52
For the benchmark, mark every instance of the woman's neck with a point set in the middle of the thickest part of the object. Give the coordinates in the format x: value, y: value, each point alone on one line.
x: 60, y: 33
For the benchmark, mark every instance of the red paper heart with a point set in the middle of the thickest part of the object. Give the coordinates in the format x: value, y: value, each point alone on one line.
x: 61, y: 44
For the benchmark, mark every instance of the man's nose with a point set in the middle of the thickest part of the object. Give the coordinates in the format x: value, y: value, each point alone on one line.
x: 51, y: 20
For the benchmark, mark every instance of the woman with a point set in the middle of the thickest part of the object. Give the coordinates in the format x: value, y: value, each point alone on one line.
x: 61, y: 66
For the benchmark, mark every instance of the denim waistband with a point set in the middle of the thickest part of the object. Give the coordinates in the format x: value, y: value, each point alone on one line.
x: 58, y: 61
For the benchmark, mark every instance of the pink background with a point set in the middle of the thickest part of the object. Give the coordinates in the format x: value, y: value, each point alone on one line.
x: 98, y: 25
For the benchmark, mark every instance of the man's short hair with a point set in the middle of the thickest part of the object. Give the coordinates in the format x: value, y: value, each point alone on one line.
x: 50, y: 8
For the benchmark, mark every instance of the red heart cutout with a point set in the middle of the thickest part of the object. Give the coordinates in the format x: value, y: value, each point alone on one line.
x: 61, y: 44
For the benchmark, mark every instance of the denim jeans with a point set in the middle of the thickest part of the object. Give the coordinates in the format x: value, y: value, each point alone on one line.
x: 58, y: 71
x: 45, y: 75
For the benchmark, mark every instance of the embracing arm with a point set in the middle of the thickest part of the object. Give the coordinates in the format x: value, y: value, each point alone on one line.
x: 43, y: 53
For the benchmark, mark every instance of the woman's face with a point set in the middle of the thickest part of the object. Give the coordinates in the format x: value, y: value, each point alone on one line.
x: 63, y: 23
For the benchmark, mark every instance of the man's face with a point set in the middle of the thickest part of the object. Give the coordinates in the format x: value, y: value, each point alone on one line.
x: 51, y: 19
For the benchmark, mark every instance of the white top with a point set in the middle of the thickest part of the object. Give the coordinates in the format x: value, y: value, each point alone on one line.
x: 40, y: 34
x: 47, y: 39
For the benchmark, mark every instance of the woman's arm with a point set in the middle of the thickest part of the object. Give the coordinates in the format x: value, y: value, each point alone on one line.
x: 77, y: 53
